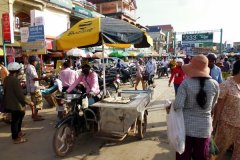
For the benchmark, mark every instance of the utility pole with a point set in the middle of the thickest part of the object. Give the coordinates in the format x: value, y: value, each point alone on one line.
x: 175, y: 53
x: 4, y: 47
x: 221, y: 33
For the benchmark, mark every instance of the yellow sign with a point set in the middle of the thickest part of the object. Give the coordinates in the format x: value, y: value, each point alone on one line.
x: 36, y: 47
x: 33, y: 52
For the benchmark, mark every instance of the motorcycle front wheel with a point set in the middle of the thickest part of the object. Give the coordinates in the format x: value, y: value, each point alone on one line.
x: 63, y: 140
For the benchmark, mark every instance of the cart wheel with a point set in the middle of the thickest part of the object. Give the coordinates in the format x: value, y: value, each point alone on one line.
x: 63, y: 140
x: 142, y: 126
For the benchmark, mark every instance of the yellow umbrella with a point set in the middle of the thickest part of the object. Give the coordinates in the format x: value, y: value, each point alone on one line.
x: 99, y: 31
x: 103, y: 31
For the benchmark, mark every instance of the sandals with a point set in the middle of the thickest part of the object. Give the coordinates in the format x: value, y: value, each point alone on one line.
x: 21, y: 134
x: 19, y: 140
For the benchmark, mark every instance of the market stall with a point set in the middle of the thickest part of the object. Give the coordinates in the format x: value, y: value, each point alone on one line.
x: 120, y: 115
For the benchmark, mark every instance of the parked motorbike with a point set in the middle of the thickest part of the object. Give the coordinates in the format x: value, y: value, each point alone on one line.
x: 160, y: 71
x: 126, y: 76
x: 111, y: 84
x: 80, y: 119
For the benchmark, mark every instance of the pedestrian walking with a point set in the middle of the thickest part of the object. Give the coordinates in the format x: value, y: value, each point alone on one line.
x: 15, y: 102
x: 172, y: 63
x: 196, y: 97
x: 140, y: 74
x: 187, y: 59
x: 165, y: 64
x: 215, y: 71
x: 226, y: 115
x: 177, y: 74
x: 226, y: 68
x: 33, y: 87
x: 151, y: 68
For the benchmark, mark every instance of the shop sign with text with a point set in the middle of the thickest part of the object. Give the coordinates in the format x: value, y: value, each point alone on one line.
x: 33, y: 40
x: 63, y: 3
x: 82, y: 12
x: 197, y: 38
x: 6, y: 25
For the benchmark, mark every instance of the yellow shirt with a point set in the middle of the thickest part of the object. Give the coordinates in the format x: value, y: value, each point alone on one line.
x: 173, y: 63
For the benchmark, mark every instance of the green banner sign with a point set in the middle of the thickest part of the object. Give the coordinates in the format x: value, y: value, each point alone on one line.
x: 197, y: 38
x: 82, y: 12
x: 63, y: 3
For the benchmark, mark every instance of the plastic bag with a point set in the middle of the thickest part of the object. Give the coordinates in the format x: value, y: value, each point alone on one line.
x: 176, y: 130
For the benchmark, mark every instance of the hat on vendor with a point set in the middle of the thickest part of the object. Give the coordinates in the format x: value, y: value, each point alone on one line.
x: 198, y: 67
x: 85, y: 64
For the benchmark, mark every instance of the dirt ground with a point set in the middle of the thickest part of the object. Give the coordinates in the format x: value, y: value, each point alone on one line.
x: 154, y: 146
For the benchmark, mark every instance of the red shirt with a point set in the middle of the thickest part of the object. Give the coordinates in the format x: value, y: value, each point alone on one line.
x: 178, y: 75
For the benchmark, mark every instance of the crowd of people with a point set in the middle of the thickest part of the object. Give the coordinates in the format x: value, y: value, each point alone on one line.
x: 203, y: 88
x: 204, y: 94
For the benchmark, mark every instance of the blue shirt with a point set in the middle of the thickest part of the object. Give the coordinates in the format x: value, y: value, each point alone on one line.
x: 216, y: 74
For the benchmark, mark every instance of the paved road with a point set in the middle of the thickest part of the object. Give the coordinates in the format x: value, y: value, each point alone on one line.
x: 39, y: 134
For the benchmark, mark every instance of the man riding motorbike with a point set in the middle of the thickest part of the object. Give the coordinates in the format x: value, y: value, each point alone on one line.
x: 89, y: 80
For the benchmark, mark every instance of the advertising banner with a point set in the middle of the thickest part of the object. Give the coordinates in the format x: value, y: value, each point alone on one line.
x: 33, y: 40
x: 191, y: 41
x: 63, y: 3
x: 197, y: 38
x: 6, y: 25
x: 82, y: 12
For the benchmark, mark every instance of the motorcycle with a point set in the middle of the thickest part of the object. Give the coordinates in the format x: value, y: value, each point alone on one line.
x: 110, y: 80
x: 80, y: 119
x: 160, y: 71
x: 125, y: 76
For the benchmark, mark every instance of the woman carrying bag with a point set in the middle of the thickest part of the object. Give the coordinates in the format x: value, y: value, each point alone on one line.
x: 196, y: 96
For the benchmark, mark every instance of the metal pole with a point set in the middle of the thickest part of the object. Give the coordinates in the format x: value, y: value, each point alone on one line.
x: 175, y: 53
x: 4, y: 47
x: 104, y: 69
x: 4, y: 54
x: 220, y: 49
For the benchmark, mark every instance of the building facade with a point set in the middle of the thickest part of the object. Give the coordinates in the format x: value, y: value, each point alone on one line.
x: 55, y: 15
x: 236, y: 46
x: 119, y: 9
x: 159, y: 38
x: 169, y: 32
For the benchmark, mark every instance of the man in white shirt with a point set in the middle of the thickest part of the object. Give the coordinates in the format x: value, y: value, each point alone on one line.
x: 151, y: 68
x: 165, y: 63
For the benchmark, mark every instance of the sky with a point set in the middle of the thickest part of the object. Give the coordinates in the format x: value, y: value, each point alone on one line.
x: 193, y: 15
